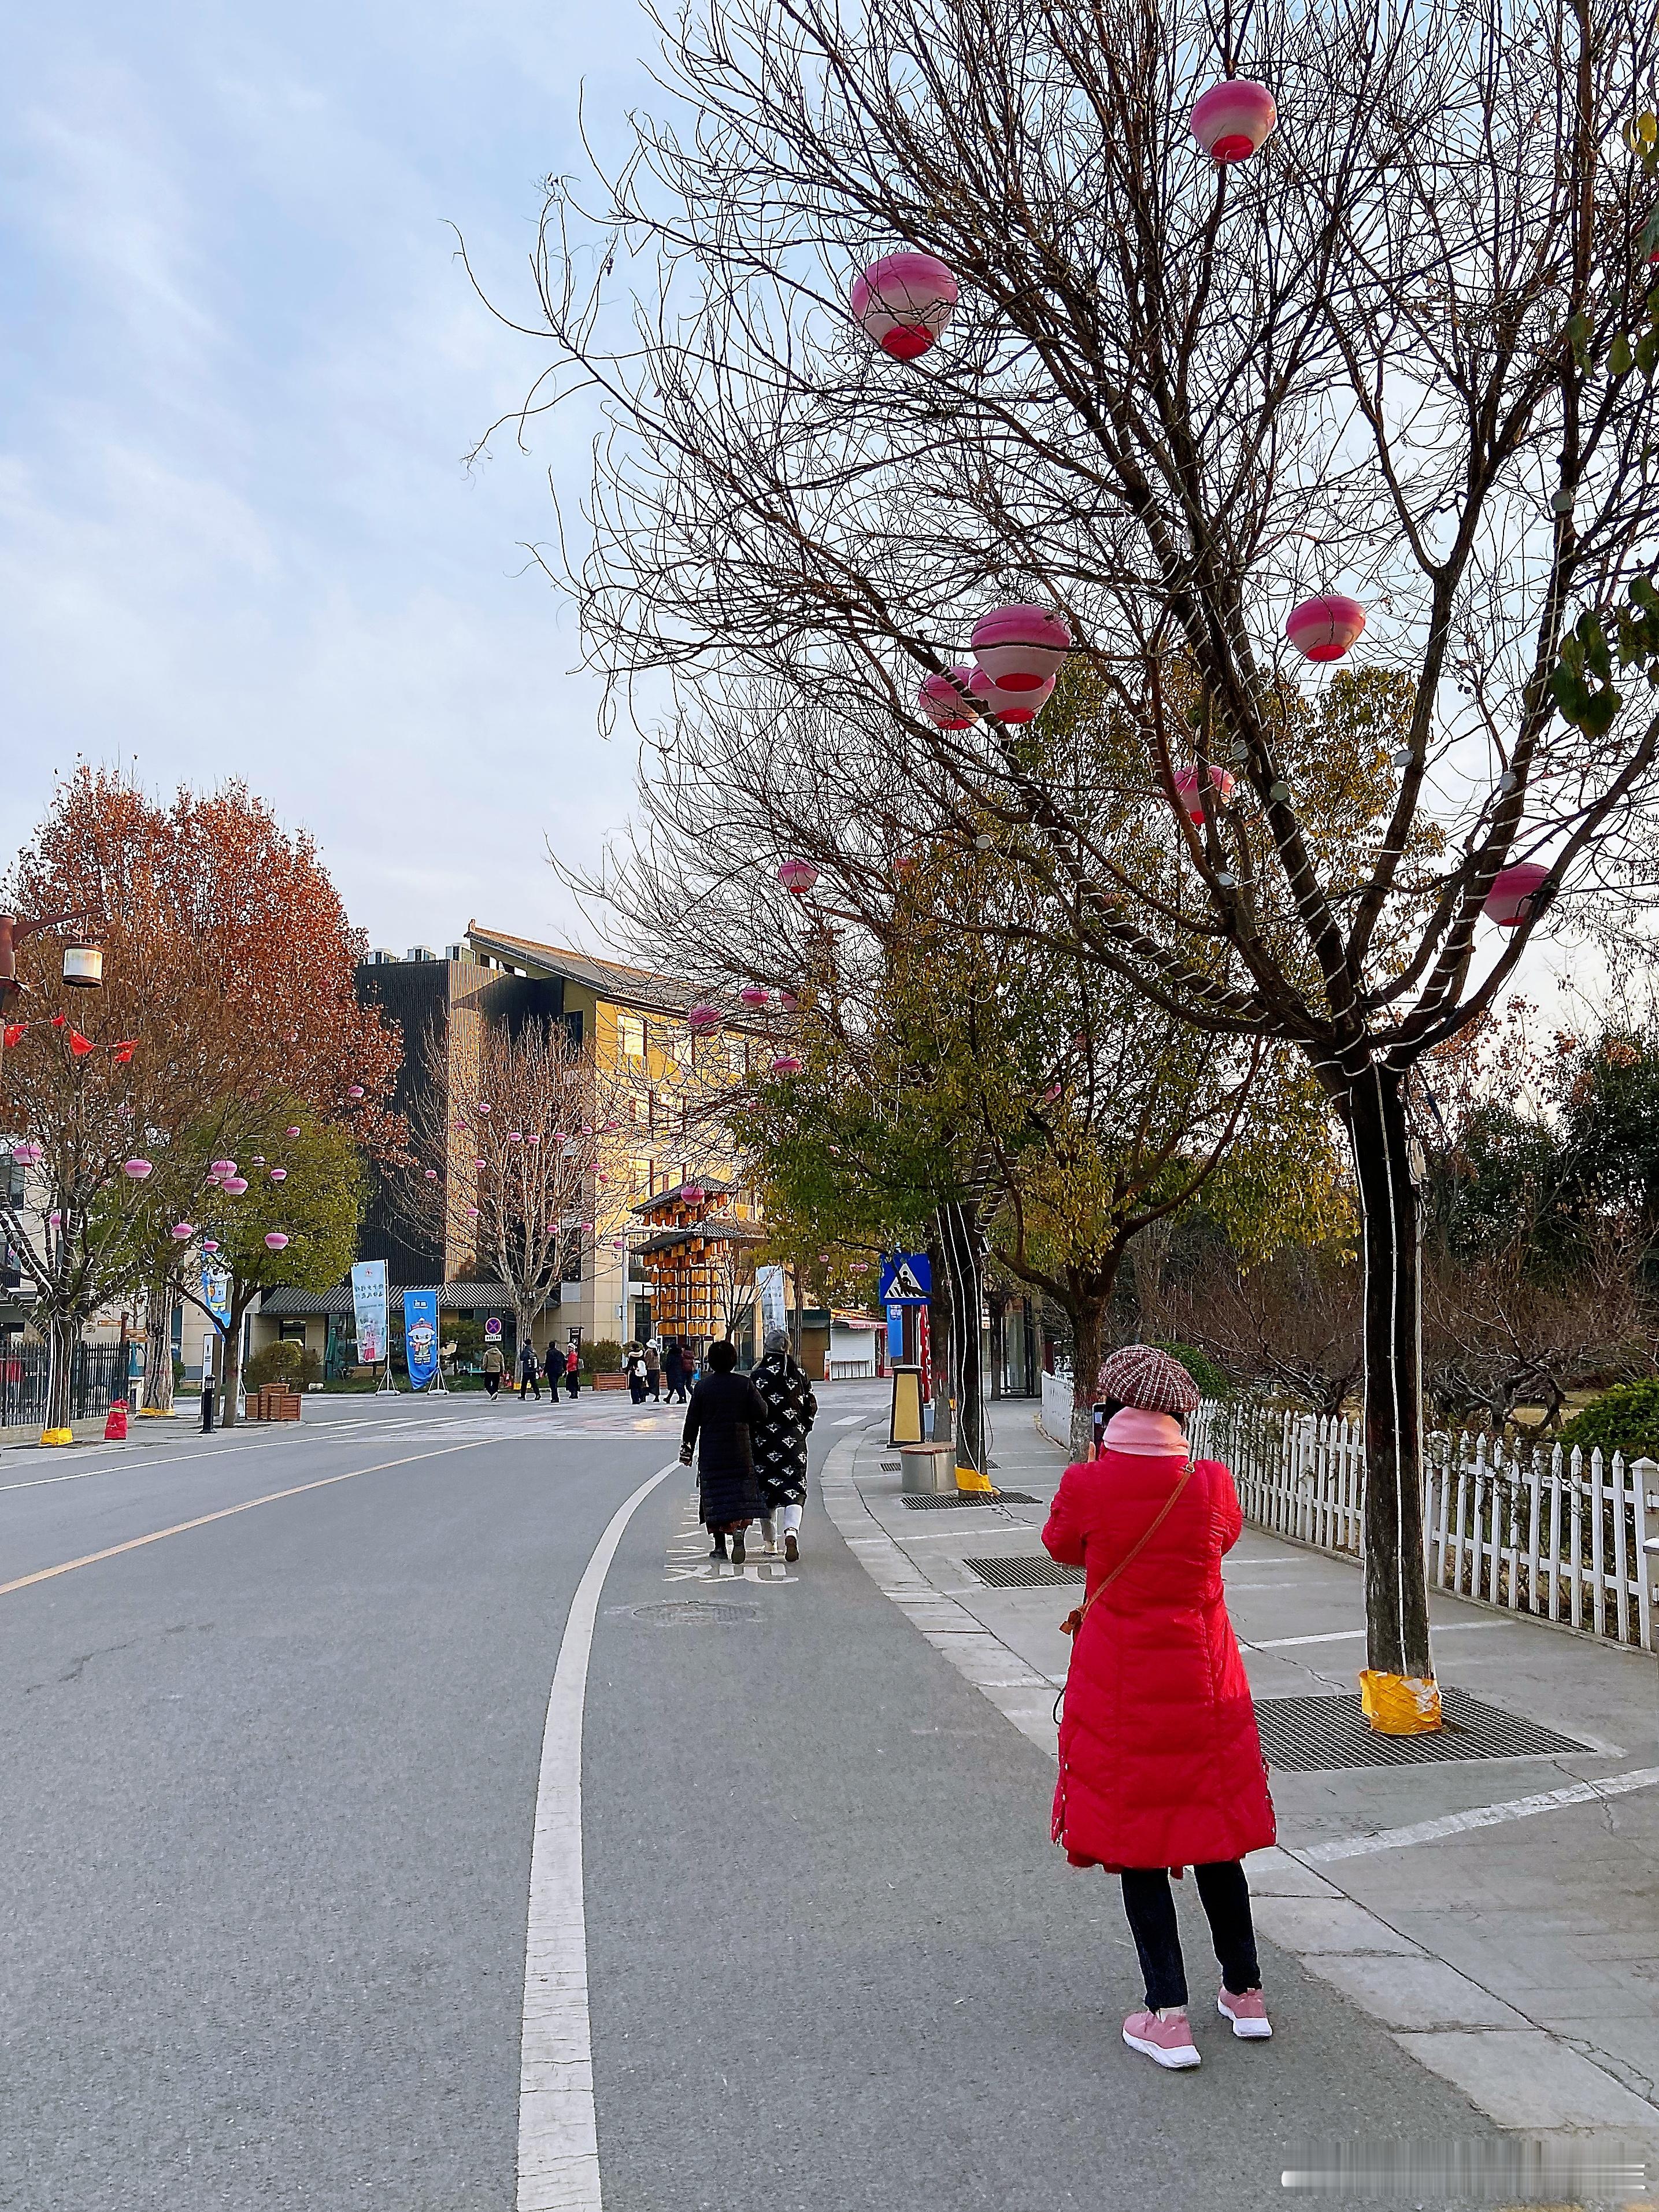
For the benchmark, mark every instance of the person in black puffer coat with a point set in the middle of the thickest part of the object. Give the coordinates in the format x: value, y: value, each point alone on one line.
x: 725, y: 1412
x: 780, y: 1381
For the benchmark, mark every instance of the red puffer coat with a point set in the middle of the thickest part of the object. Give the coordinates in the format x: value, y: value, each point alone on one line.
x: 1160, y: 1765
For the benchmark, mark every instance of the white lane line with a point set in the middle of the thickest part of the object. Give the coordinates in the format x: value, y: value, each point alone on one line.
x: 134, y: 1465
x: 1355, y: 1635
x: 1479, y: 1816
x: 848, y: 1420
x: 558, y: 2137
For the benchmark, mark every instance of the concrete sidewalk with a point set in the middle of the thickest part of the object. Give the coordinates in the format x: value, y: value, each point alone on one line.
x: 1514, y: 1947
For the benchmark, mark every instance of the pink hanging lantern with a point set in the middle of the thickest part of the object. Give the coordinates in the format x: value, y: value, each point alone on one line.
x: 294, y: 1133
x: 235, y: 1185
x: 1233, y: 119
x: 534, y: 1137
x: 354, y: 1090
x: 1020, y: 647
x: 136, y: 1168
x: 54, y: 1221
x: 1186, y: 787
x: 483, y: 1106
x: 209, y: 1243
x: 279, y: 1175
x: 432, y: 1174
x: 480, y: 1164
x: 1051, y: 1096
x: 693, y: 1193
x: 472, y: 1213
x: 904, y: 302
x: 515, y: 1136
x: 944, y: 700
x: 786, y: 1064
x: 789, y: 1002
x: 1323, y: 628
x: 275, y: 1240
x: 183, y: 1229
x: 223, y: 1167
x: 752, y: 996
x: 702, y: 1019
x: 1014, y: 707
x: 798, y: 876
x: 258, y: 1159
x: 28, y: 1152
x: 1514, y: 893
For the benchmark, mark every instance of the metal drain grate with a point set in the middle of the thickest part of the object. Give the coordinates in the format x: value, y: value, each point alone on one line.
x: 925, y: 1502
x: 689, y: 1613
x: 1311, y: 1735
x: 892, y: 1466
x: 1021, y: 1574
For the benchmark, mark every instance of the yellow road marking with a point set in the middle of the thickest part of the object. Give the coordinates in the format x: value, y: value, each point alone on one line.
x: 272, y: 1497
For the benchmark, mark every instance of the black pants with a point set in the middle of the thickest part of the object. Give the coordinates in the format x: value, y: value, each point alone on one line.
x: 530, y: 1382
x: 492, y: 1383
x: 1225, y: 1896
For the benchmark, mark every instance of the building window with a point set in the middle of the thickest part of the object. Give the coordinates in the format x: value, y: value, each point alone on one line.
x: 630, y: 1037
x: 737, y: 1055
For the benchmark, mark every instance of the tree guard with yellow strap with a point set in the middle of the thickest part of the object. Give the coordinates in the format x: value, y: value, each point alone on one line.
x: 1400, y: 1705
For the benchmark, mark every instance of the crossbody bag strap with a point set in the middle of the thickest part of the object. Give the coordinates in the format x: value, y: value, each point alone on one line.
x: 1075, y: 1620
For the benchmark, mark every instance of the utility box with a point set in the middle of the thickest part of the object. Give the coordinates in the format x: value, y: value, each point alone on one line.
x: 906, y: 1425
x: 928, y: 1468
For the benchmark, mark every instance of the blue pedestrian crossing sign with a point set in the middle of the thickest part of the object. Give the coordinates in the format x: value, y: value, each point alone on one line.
x: 907, y: 1278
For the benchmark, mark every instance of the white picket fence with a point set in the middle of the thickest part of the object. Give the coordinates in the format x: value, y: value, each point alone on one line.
x: 1557, y: 1535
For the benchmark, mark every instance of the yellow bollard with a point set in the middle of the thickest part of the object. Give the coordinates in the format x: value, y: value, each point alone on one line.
x: 57, y: 1435
x: 969, y: 1477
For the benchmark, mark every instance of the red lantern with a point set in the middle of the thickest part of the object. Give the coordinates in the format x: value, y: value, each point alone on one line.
x: 752, y: 996
x: 693, y: 1193
x: 1186, y: 787
x: 798, y: 876
x: 1013, y: 706
x: 1020, y: 647
x: 275, y: 1240
x: 944, y: 702
x: 702, y: 1019
x: 1323, y: 628
x: 1514, y: 893
x: 904, y: 302
x: 1232, y: 118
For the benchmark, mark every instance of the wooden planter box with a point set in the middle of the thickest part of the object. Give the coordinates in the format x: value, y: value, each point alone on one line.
x: 610, y: 1381
x: 273, y: 1403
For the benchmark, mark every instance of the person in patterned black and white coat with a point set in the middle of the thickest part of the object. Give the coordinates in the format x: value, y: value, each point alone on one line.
x: 780, y: 1446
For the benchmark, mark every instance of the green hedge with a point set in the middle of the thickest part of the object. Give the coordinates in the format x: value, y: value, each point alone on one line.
x: 1211, y: 1380
x: 1622, y: 1420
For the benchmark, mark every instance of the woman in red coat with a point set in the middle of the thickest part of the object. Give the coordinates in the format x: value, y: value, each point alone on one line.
x: 1160, y: 1765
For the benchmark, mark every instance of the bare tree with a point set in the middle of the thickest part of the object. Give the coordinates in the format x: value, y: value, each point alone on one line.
x: 516, y: 1156
x: 1404, y: 350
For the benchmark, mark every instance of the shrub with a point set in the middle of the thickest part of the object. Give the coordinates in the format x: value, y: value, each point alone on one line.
x: 603, y: 1356
x: 282, y: 1362
x: 1211, y: 1380
x: 1623, y: 1420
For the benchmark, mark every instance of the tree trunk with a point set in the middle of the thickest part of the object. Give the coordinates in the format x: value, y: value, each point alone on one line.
x: 230, y: 1368
x: 159, y: 1305
x: 1087, y: 1314
x: 962, y: 1250
x: 1397, y: 1587
x: 796, y: 1314
x: 66, y: 1337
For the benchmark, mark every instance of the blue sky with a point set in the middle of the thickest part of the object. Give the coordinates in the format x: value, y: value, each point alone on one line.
x: 238, y: 369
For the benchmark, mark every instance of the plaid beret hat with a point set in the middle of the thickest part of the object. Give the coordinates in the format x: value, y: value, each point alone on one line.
x: 1141, y: 1374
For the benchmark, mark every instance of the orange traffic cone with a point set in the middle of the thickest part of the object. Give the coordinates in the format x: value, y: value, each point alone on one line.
x: 115, y: 1426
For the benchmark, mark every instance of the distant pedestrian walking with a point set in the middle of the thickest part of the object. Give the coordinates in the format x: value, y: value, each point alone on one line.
x: 494, y: 1367
x: 529, y: 1373
x: 673, y: 1368
x: 572, y: 1372
x: 1160, y: 1765
x: 721, y: 1421
x: 653, y: 1368
x: 634, y: 1369
x: 554, y: 1370
x: 779, y: 1380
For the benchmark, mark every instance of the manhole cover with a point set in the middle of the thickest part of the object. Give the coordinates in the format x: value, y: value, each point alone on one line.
x: 690, y: 1612
x: 1021, y: 1574
x: 925, y: 1502
x: 1308, y: 1734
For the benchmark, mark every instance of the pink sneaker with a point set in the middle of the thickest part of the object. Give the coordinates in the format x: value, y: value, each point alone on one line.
x: 1165, y: 2042
x: 1248, y: 2014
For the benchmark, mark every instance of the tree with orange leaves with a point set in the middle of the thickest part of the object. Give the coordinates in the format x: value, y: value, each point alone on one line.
x: 230, y: 958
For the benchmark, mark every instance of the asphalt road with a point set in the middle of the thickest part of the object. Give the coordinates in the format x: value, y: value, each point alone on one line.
x: 268, y: 1793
